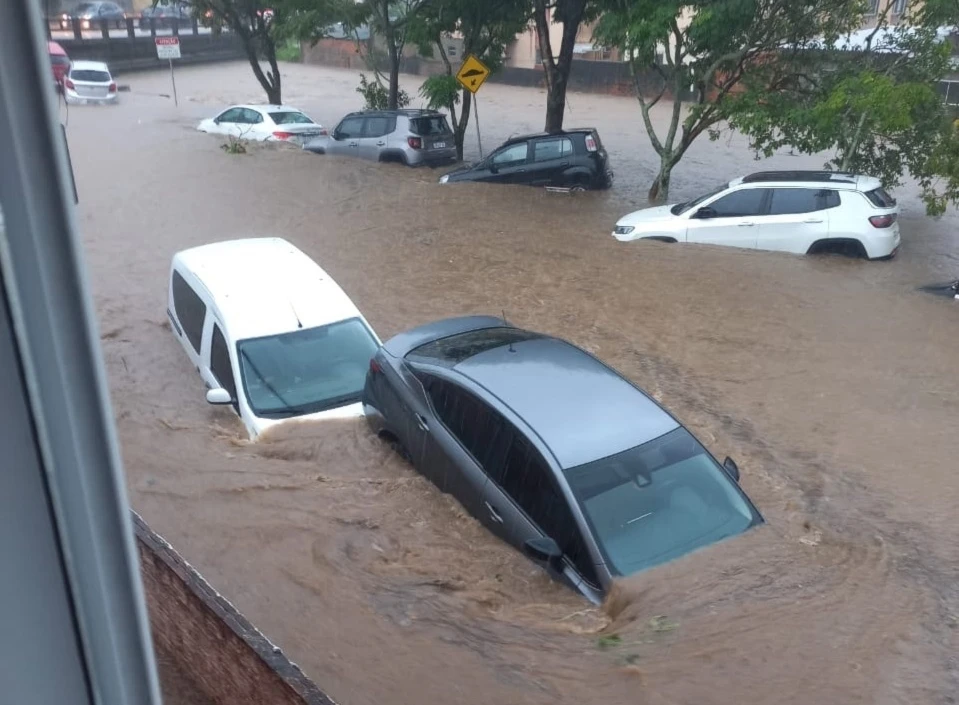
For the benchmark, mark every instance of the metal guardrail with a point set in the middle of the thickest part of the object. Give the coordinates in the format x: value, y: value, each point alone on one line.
x: 76, y: 29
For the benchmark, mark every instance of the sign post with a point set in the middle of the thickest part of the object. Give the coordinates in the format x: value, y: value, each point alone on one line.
x: 169, y: 48
x: 472, y: 75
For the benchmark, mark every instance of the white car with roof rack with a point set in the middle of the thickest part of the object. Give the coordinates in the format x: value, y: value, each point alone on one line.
x: 803, y: 212
x: 270, y: 332
x: 264, y: 123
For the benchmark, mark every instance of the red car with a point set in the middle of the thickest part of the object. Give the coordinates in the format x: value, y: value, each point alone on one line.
x: 59, y: 61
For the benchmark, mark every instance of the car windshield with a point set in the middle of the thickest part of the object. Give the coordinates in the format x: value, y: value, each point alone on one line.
x: 290, y: 117
x: 681, y: 208
x: 86, y: 7
x: 308, y: 370
x: 428, y: 126
x: 658, y: 501
x: 91, y: 76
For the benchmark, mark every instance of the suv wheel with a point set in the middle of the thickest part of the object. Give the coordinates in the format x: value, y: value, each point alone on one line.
x: 839, y: 246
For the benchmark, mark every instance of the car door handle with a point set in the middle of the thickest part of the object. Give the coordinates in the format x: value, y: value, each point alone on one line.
x: 421, y: 423
x: 813, y: 220
x: 381, y: 144
x: 746, y: 225
x: 354, y: 144
x: 494, y: 515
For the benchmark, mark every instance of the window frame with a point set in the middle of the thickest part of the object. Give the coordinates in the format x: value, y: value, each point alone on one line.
x: 816, y: 196
x: 390, y: 126
x: 229, y: 384
x: 337, y: 130
x: 504, y: 150
x: 761, y: 211
x: 563, y: 152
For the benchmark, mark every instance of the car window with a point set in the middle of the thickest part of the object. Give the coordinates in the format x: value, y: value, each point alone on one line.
x: 251, y: 117
x: 231, y: 115
x: 350, y: 128
x: 829, y: 198
x: 739, y: 203
x: 190, y: 310
x: 514, y: 154
x: 90, y: 76
x: 376, y: 126
x: 787, y: 201
x: 465, y: 416
x: 290, y: 117
x: 220, y: 364
x: 453, y: 349
x: 879, y: 197
x: 547, y: 150
x: 657, y: 501
x: 429, y: 126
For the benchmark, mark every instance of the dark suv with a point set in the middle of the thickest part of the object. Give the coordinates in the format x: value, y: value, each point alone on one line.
x: 573, y: 159
x: 410, y: 137
x: 553, y: 451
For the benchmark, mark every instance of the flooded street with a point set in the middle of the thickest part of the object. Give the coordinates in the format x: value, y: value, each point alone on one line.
x: 832, y: 382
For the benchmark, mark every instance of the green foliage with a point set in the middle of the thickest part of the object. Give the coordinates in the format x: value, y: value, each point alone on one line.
x: 440, y: 91
x: 233, y: 146
x: 376, y: 96
x: 289, y: 51
x: 875, y: 109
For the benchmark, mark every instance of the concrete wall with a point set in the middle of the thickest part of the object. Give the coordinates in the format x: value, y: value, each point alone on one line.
x: 606, y: 77
x: 227, y: 658
x: 125, y: 54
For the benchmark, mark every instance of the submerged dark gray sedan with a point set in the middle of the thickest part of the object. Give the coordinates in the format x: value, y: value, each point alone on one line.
x: 551, y: 449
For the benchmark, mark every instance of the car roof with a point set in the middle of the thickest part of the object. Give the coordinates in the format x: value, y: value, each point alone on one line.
x: 408, y: 112
x: 558, y: 133
x: 857, y: 182
x: 580, y: 408
x: 89, y: 66
x: 261, y: 107
x: 266, y: 286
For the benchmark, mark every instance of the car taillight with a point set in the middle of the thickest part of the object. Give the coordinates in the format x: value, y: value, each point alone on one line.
x: 590, y: 143
x: 69, y: 84
x: 375, y: 366
x: 283, y: 135
x: 415, y: 142
x: 113, y: 88
x: 882, y: 221
x: 324, y: 132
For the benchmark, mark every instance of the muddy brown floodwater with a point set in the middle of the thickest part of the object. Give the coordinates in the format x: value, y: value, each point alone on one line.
x: 833, y: 382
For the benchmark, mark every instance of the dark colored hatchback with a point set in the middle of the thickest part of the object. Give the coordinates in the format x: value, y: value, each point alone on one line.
x: 573, y: 159
x: 553, y: 451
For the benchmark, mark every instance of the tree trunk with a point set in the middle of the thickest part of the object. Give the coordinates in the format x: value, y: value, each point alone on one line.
x: 659, y: 191
x: 459, y: 133
x: 275, y: 92
x: 271, y: 83
x: 556, y: 105
x: 392, y: 101
x: 557, y: 68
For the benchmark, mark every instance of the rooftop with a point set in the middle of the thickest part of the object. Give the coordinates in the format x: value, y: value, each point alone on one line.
x: 581, y: 409
x: 88, y: 66
x: 266, y: 286
x: 857, y: 181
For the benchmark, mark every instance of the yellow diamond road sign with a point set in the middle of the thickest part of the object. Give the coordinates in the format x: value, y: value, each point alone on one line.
x: 472, y: 74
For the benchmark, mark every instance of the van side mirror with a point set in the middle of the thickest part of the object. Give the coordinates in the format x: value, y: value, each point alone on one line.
x: 544, y: 550
x: 705, y: 213
x: 218, y: 397
x: 730, y: 465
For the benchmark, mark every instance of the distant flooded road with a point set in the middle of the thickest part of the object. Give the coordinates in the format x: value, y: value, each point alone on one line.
x: 832, y: 382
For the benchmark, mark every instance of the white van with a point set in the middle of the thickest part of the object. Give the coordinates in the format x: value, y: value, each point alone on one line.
x: 269, y: 331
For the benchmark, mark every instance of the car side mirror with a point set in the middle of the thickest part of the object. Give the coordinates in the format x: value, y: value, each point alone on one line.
x: 492, y: 167
x: 730, y: 465
x: 544, y: 550
x: 218, y: 397
x: 705, y: 213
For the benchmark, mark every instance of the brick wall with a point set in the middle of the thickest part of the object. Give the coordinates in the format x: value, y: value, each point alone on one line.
x: 221, y: 652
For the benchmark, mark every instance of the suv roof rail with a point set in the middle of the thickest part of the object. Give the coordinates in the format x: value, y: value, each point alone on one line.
x: 814, y: 176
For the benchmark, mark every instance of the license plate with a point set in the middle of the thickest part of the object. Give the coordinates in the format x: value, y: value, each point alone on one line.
x: 439, y: 145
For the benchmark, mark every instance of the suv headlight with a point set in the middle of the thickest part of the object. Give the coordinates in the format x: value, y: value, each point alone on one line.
x: 444, y: 178
x: 624, y: 229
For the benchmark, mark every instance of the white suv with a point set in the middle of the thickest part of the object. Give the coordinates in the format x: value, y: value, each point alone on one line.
x: 805, y: 212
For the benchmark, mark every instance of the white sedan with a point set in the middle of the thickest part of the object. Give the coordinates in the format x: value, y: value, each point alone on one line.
x: 804, y: 212
x: 264, y: 123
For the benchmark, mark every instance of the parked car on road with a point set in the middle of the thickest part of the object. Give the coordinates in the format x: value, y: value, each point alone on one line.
x: 165, y: 15
x: 271, y: 334
x: 553, y: 451
x: 572, y: 159
x: 804, y: 212
x: 93, y: 15
x: 410, y: 137
x: 264, y: 123
x: 89, y: 82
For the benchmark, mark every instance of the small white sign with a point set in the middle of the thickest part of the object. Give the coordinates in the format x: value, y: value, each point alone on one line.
x: 167, y: 47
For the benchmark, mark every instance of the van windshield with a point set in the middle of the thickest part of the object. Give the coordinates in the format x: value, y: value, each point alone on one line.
x: 306, y: 371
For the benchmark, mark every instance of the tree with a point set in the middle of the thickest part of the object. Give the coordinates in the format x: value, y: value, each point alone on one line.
x: 873, y: 104
x: 252, y: 21
x: 486, y: 27
x: 558, y: 65
x: 699, y: 54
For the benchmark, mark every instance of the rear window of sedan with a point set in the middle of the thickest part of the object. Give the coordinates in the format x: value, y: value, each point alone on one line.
x: 91, y: 76
x: 290, y: 117
x: 427, y: 126
x: 455, y: 349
